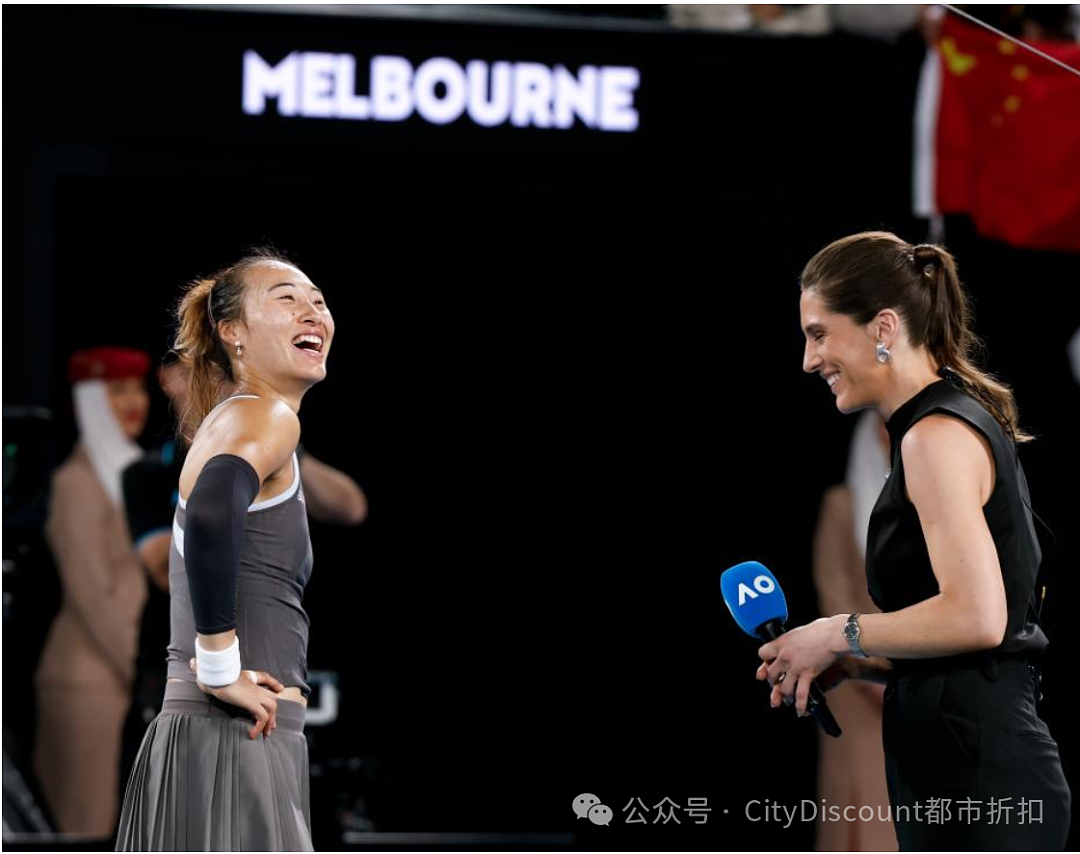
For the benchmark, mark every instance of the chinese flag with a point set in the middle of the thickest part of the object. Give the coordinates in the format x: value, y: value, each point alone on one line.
x: 1007, y: 141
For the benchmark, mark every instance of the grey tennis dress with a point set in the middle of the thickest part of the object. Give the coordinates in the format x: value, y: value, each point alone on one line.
x: 199, y: 782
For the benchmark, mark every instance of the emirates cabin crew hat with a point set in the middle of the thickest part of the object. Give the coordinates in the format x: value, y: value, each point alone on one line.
x: 107, y: 363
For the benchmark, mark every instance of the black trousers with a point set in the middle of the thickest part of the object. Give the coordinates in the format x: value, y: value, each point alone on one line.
x: 969, y: 764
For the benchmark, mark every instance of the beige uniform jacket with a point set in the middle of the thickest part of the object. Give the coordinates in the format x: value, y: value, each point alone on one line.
x: 94, y: 639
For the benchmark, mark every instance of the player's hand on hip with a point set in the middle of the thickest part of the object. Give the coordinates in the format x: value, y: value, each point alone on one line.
x: 248, y: 693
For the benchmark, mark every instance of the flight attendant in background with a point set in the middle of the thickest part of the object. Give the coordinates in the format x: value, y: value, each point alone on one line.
x: 84, y: 679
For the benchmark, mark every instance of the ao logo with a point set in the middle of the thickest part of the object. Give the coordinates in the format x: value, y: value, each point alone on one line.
x: 762, y: 584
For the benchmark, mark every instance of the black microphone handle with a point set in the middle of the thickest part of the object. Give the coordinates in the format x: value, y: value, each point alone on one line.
x: 816, y: 702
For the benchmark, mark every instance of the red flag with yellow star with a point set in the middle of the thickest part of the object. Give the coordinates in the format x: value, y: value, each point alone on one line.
x: 1007, y: 139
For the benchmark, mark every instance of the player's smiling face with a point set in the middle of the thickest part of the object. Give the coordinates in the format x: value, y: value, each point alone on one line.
x: 290, y: 328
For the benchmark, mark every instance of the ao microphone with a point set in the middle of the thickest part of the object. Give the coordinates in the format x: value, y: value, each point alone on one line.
x: 755, y: 600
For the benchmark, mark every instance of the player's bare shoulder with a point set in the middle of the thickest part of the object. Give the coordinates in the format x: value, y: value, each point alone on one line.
x: 262, y: 430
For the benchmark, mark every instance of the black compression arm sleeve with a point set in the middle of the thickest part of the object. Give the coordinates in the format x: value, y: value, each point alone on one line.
x: 213, y: 534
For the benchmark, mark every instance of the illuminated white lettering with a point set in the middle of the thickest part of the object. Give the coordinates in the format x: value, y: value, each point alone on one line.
x: 617, y: 86
x: 318, y: 77
x: 262, y: 82
x: 440, y: 91
x: 489, y: 92
x: 391, y: 88
x: 349, y: 104
x: 440, y: 110
x: 532, y: 96
x: 575, y: 96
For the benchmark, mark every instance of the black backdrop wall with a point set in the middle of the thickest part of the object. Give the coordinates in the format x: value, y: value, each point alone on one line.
x: 567, y: 375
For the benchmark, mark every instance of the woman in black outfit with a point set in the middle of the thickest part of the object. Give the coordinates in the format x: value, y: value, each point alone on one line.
x: 951, y: 558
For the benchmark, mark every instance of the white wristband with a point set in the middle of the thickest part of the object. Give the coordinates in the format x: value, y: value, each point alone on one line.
x: 221, y: 668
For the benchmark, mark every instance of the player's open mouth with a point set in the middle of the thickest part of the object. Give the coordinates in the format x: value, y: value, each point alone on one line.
x: 310, y: 345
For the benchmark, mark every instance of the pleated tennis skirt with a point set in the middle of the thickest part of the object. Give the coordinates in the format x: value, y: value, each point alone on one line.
x: 201, y: 784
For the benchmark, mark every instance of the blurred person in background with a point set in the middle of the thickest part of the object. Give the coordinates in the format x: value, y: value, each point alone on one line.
x: 886, y: 22
x: 851, y: 770
x: 85, y: 675
x: 1053, y: 22
x: 804, y: 19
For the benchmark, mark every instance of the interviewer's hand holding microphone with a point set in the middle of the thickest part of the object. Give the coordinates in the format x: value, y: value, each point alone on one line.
x: 803, y: 655
x: 801, y: 664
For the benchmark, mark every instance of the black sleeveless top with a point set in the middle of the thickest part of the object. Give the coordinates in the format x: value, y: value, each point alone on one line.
x: 898, y: 570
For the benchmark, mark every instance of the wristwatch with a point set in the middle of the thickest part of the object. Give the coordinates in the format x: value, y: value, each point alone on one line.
x: 851, y: 635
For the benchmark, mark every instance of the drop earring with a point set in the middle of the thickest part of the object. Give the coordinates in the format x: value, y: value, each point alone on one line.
x: 239, y: 350
x: 883, y: 353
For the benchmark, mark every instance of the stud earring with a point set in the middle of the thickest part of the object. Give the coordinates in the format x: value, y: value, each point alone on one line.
x: 883, y: 353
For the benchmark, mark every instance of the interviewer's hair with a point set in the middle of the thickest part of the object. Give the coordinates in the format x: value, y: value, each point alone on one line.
x: 862, y: 274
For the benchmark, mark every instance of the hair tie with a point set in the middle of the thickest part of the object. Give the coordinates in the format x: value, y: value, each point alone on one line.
x: 929, y: 264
